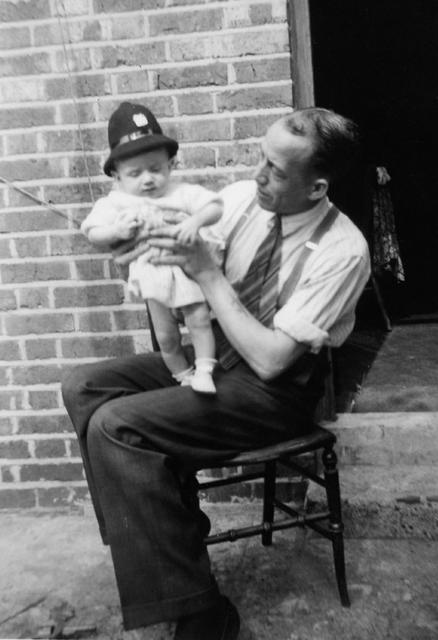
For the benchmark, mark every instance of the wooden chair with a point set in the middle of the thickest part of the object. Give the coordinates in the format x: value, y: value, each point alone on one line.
x: 327, y: 522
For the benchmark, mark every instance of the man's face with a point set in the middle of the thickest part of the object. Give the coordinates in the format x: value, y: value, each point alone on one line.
x: 284, y: 179
x: 146, y: 174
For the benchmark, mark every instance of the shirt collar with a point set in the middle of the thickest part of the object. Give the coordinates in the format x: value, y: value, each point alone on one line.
x: 291, y: 224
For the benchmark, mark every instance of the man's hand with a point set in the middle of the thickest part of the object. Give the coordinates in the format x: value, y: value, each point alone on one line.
x: 194, y: 258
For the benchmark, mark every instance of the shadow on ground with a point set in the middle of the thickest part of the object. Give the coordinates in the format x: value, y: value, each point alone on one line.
x: 286, y: 592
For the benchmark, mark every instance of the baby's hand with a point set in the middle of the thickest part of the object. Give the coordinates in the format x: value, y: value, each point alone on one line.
x: 187, y: 231
x: 127, y: 224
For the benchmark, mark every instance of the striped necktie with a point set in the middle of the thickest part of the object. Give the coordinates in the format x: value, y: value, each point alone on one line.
x: 258, y: 290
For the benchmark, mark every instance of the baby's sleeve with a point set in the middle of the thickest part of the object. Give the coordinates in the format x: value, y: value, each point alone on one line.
x: 104, y: 212
x: 195, y: 198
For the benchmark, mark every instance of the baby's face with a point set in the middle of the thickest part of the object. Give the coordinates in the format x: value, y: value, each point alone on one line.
x: 146, y: 174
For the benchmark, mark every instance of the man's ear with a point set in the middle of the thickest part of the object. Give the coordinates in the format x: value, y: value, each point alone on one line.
x: 319, y: 189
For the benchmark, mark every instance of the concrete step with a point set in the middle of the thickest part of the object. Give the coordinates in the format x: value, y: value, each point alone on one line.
x: 385, y: 439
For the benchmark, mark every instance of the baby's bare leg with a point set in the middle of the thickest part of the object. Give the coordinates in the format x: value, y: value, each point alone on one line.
x: 197, y: 318
x: 169, y: 338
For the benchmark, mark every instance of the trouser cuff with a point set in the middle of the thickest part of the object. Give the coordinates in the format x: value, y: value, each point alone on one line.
x: 135, y: 616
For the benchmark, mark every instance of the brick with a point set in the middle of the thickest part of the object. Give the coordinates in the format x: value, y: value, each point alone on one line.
x: 36, y: 374
x: 6, y: 426
x: 194, y: 76
x: 70, y: 193
x: 83, y: 86
x: 14, y: 449
x: 185, y: 21
x: 197, y: 157
x: 11, y: 400
x: 89, y: 295
x: 70, y: 113
x: 230, y: 45
x: 132, y: 55
x: 44, y: 424
x: 82, y: 167
x: 27, y: 89
x: 90, y: 269
x: 15, y: 37
x: 107, y: 346
x: 61, y: 497
x: 195, y: 103
x: 52, y: 472
x: 40, y: 349
x: 9, y: 350
x: 7, y: 299
x: 55, y: 141
x: 19, y: 118
x: 127, y: 27
x: 133, y: 81
x: 128, y: 320
x: 78, y: 31
x: 262, y: 70
x: 95, y: 321
x: 254, y: 126
x: 237, y: 154
x: 31, y: 169
x: 31, y: 246
x: 28, y: 323
x: 75, y: 450
x: 17, y: 498
x: 43, y: 399
x: 115, y: 6
x: 31, y: 220
x: 4, y: 375
x: 14, y: 11
x: 202, y: 130
x: 17, y: 143
x: 78, y: 60
x: 35, y: 271
x: 33, y: 298
x: 5, y: 248
x: 68, y: 244
x: 50, y: 448
x: 255, y: 98
x: 10, y: 473
x: 23, y: 65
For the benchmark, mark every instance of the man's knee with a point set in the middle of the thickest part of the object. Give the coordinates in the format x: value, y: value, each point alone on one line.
x: 72, y: 383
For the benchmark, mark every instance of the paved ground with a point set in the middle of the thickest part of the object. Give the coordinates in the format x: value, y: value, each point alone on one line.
x: 286, y: 592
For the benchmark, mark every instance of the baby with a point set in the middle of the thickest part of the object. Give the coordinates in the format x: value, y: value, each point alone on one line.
x: 141, y: 162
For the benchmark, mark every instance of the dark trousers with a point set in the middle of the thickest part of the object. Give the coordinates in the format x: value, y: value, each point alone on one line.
x: 142, y: 439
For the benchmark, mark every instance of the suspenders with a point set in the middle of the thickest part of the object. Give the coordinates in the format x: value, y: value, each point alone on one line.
x: 310, y: 246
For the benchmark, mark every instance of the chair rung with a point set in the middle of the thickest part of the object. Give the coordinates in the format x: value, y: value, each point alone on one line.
x: 221, y: 482
x: 246, y: 532
x: 305, y: 472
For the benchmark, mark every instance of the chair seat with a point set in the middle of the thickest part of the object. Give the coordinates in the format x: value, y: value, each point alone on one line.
x: 318, y: 437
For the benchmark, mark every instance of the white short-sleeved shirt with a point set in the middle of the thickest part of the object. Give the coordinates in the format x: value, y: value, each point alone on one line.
x: 167, y: 284
x: 321, y: 309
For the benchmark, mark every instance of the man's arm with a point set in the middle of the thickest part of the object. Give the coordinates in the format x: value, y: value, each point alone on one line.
x: 267, y: 351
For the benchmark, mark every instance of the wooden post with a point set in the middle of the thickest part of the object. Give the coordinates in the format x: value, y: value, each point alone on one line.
x: 301, y: 52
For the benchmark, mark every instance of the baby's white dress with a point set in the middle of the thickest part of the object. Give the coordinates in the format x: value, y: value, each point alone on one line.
x: 166, y: 284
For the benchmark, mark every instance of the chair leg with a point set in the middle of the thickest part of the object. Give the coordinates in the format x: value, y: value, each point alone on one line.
x: 268, y: 501
x: 336, y: 525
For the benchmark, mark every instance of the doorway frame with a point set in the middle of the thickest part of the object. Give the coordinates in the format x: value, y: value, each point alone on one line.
x: 301, y: 53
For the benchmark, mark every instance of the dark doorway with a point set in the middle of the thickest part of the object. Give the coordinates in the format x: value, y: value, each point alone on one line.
x: 376, y: 61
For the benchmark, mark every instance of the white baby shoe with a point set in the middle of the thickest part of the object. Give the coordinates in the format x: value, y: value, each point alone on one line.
x: 202, y: 379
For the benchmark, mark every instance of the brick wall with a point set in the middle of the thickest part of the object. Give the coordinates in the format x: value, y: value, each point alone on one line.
x: 216, y: 73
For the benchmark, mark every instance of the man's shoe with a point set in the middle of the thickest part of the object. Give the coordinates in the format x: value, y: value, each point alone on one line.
x: 220, y: 622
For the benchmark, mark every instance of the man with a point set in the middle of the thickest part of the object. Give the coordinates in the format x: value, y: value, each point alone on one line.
x: 143, y: 437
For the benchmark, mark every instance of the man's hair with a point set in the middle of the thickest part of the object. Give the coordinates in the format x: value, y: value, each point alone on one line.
x: 335, y: 140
